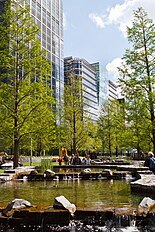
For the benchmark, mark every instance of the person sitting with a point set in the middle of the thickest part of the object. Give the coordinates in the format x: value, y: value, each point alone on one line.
x: 83, y: 161
x: 150, y: 161
x: 71, y: 159
x: 66, y: 159
x: 76, y: 160
x: 88, y: 161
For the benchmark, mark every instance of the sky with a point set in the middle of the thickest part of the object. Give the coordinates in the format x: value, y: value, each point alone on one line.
x: 95, y: 30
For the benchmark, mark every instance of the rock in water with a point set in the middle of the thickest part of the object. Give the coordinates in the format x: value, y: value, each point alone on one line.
x: 146, y: 205
x: 62, y: 203
x: 49, y: 173
x: 20, y: 203
x: 87, y: 170
x: 16, y: 204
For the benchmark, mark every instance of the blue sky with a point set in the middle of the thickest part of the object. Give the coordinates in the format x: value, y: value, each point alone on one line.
x: 96, y: 29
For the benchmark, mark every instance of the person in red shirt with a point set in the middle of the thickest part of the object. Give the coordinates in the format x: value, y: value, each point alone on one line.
x: 60, y: 161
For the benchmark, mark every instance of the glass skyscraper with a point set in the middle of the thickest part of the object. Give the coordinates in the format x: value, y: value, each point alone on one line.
x: 48, y: 15
x: 82, y: 68
x: 102, y: 83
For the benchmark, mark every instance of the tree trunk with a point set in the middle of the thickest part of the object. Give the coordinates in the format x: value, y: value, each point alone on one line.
x: 16, y: 152
x: 74, y: 133
x: 16, y: 136
x: 116, y: 151
x: 151, y: 100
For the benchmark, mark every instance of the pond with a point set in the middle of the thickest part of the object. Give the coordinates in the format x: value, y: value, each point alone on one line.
x: 95, y: 194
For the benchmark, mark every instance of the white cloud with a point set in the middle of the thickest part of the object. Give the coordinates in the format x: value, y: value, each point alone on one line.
x: 121, y: 14
x: 98, y: 20
x: 112, y: 69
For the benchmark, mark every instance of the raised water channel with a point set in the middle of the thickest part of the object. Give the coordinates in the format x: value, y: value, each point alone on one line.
x: 95, y: 194
x: 85, y: 194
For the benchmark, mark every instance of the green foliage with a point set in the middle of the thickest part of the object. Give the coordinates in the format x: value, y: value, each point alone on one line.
x: 77, y: 126
x: 46, y: 164
x: 111, y: 127
x: 25, y: 96
x: 137, y: 80
x: 93, y: 142
x: 73, y: 113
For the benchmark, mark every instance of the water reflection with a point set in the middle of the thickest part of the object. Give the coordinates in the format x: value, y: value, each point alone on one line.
x: 91, y: 194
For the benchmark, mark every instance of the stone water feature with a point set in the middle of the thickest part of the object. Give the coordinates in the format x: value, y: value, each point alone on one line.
x: 103, y: 217
x: 83, y: 220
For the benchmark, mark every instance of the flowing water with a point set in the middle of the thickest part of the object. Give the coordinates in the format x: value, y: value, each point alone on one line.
x: 96, y: 194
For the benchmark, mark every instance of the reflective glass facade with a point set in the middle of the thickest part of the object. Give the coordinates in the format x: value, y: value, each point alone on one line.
x: 81, y: 67
x: 48, y: 15
x: 102, y: 83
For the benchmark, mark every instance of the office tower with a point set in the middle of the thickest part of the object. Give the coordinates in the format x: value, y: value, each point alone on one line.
x: 112, y: 91
x: 81, y: 68
x: 101, y: 83
x: 48, y: 15
x: 106, y: 88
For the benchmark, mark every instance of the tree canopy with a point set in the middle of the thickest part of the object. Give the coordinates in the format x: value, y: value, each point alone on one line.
x: 138, y: 79
x: 25, y: 96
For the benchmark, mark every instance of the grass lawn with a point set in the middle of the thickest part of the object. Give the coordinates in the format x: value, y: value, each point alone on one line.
x: 32, y: 164
x: 1, y: 171
x: 39, y: 164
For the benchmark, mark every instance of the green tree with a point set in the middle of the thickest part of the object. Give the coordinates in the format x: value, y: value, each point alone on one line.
x: 24, y: 94
x: 138, y: 73
x: 111, y: 126
x: 137, y: 121
x: 104, y: 126
x: 93, y: 142
x: 76, y: 121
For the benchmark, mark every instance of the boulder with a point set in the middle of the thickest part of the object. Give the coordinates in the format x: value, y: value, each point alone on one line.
x: 34, y: 172
x: 62, y: 203
x: 87, y: 170
x: 16, y: 204
x: 108, y: 172
x: 49, y: 173
x: 146, y: 206
x: 20, y: 203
